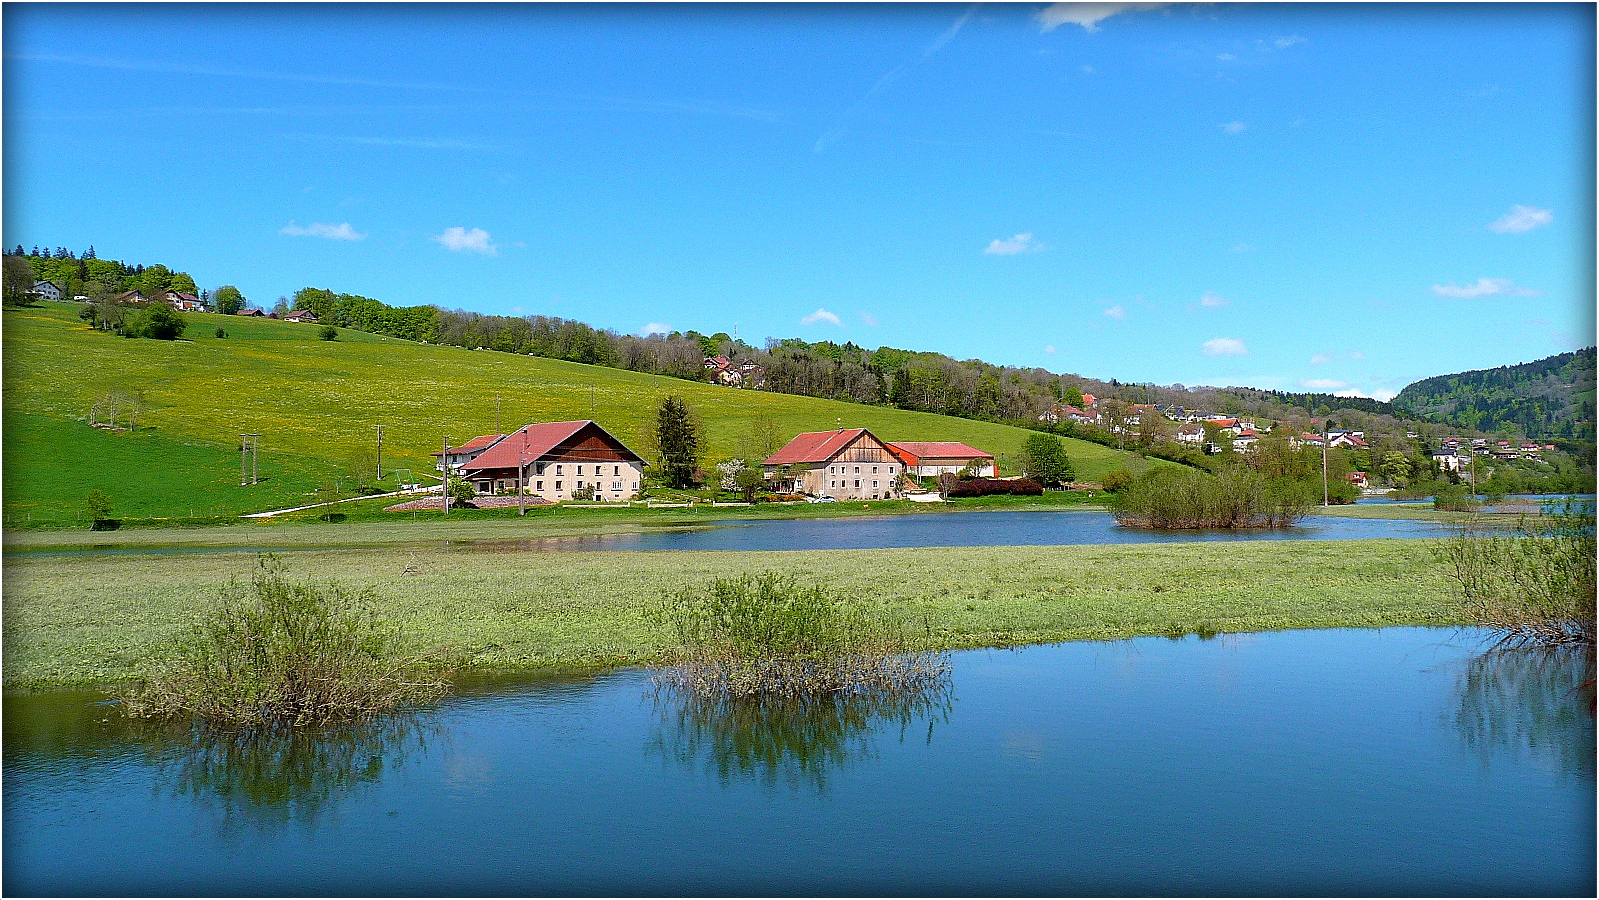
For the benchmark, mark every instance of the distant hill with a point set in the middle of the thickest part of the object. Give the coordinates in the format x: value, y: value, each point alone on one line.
x: 1550, y: 399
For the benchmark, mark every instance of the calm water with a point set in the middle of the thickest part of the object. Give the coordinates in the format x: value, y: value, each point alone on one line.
x: 945, y: 529
x: 962, y: 529
x: 1367, y: 763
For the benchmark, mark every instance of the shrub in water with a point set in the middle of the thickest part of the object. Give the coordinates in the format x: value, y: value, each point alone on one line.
x: 1534, y: 585
x: 768, y: 635
x: 283, y: 653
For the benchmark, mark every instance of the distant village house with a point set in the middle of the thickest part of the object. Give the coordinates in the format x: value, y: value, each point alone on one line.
x: 846, y: 464
x: 551, y: 460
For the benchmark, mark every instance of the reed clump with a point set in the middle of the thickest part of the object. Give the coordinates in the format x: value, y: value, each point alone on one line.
x: 1232, y: 498
x: 770, y: 635
x: 278, y: 653
x: 1534, y: 585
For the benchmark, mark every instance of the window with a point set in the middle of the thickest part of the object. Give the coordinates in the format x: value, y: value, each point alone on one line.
x: 832, y: 483
x: 538, y: 468
x: 580, y: 472
x: 874, y: 470
x: 617, y: 470
x: 874, y: 486
x: 540, y: 486
x: 890, y: 470
x: 635, y: 485
x: 857, y: 482
x: 557, y: 484
x: 616, y: 485
x: 557, y: 470
x: 857, y: 470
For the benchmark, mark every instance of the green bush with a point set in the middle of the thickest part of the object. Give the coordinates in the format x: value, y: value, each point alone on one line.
x: 328, y: 333
x: 280, y: 653
x: 769, y: 635
x: 1455, y: 498
x: 1117, y: 480
x: 158, y: 321
x: 1234, y: 498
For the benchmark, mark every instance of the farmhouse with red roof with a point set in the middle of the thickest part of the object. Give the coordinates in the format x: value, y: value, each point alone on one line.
x: 849, y: 464
x: 455, y: 457
x: 552, y: 459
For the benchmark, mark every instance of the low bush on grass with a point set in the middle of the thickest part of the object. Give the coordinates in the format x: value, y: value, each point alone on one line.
x: 281, y: 653
x: 1454, y: 498
x: 1234, y: 498
x: 769, y: 635
x: 1534, y: 585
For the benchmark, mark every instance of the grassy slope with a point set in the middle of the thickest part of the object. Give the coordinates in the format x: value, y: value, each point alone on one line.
x: 98, y: 617
x: 314, y: 402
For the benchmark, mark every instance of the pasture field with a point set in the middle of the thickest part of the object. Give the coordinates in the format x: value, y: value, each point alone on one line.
x: 315, y: 403
x: 98, y: 617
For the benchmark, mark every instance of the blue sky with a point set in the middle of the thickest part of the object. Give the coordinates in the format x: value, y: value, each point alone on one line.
x: 1340, y: 198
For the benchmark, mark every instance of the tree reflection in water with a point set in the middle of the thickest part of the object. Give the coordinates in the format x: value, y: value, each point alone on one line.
x: 1537, y: 700
x: 798, y: 740
x: 273, y: 776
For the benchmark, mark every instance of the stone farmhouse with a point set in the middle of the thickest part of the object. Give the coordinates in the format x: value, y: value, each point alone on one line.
x: 847, y: 464
x: 46, y: 290
x: 550, y: 460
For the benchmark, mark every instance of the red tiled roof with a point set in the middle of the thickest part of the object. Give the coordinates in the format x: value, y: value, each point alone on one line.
x: 1223, y: 423
x: 814, y: 446
x: 531, y: 442
x: 914, y: 451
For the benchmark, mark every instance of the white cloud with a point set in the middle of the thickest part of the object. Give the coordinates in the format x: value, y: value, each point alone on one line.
x: 1087, y: 69
x: 1321, y: 359
x: 655, y: 328
x: 1225, y: 347
x: 1485, y: 287
x: 1235, y: 127
x: 1323, y: 384
x: 1356, y: 354
x: 822, y: 315
x: 1522, y: 218
x: 1116, y: 312
x: 869, y: 320
x: 1088, y: 15
x: 339, y: 232
x: 475, y: 240
x: 1226, y: 57
x: 1382, y: 395
x: 1021, y: 243
x: 1051, y: 350
x: 1213, y: 299
x: 1285, y: 43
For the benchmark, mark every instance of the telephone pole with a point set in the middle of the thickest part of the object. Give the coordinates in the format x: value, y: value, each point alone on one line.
x: 444, y: 460
x: 249, y: 452
x: 380, y: 451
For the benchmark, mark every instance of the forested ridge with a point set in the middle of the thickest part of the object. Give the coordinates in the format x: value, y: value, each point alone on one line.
x: 1551, y: 398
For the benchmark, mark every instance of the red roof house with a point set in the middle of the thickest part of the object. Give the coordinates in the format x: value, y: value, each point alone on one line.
x: 553, y: 459
x: 848, y: 464
x: 926, y: 458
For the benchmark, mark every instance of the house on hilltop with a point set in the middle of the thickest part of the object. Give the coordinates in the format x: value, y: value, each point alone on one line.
x: 847, y: 464
x: 46, y: 290
x: 182, y: 301
x: 300, y: 315
x: 550, y: 460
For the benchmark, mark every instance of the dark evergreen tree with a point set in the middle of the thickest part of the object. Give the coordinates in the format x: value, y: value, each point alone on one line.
x: 678, y: 436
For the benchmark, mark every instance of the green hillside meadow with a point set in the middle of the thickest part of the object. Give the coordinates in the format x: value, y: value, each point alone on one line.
x: 314, y: 403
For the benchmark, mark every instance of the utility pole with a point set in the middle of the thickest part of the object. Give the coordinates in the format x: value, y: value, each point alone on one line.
x: 444, y: 460
x: 1324, y: 500
x: 497, y: 415
x: 591, y: 402
x: 249, y: 451
x: 380, y: 451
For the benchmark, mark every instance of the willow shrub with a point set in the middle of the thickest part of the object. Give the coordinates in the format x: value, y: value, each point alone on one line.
x: 769, y: 635
x: 1533, y: 585
x: 1187, y: 498
x: 280, y: 653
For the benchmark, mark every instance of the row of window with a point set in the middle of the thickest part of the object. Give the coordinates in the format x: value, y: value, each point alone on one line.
x: 538, y: 486
x: 539, y: 470
x: 834, y: 484
x: 841, y: 470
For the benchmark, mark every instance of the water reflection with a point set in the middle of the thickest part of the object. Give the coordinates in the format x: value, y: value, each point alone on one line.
x: 1537, y: 701
x: 797, y: 741
x: 271, y: 777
